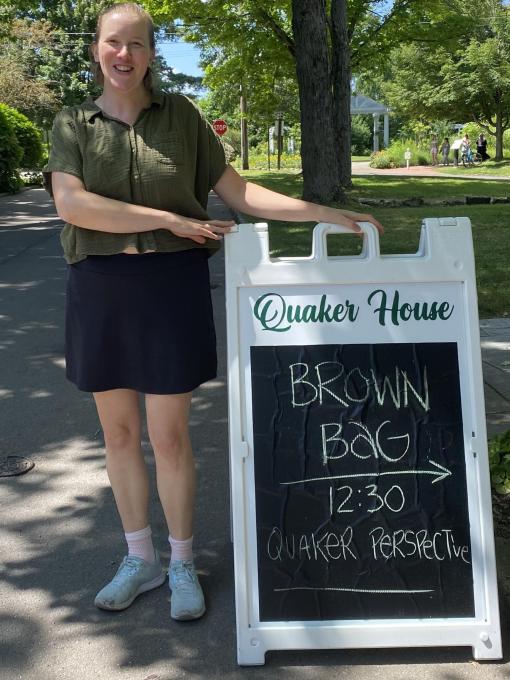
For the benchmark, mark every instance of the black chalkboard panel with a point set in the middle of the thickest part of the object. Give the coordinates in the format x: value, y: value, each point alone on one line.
x: 360, y: 483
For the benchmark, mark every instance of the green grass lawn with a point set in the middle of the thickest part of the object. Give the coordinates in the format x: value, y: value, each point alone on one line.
x: 490, y: 223
x: 501, y: 168
x: 379, y: 186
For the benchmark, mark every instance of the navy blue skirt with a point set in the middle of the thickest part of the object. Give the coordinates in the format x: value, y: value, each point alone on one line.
x: 141, y: 322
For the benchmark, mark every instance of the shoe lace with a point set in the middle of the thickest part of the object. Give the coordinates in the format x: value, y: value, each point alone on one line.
x: 183, y: 578
x: 129, y: 567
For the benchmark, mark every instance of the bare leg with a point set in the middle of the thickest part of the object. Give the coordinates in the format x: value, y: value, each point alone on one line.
x: 119, y: 414
x: 167, y: 423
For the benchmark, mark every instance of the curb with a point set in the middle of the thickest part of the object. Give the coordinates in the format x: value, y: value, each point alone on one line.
x: 21, y: 190
x: 416, y: 202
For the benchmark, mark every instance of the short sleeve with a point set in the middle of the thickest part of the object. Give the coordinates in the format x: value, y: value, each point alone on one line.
x: 210, y: 148
x: 217, y: 159
x: 65, y: 154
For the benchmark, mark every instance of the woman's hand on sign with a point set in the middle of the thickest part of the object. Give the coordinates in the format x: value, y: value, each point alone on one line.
x: 353, y: 218
x: 200, y: 230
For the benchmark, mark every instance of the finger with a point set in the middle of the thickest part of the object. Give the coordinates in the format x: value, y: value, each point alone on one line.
x: 222, y: 223
x: 376, y: 223
x: 371, y: 218
x: 351, y: 224
x: 220, y: 226
x: 197, y: 239
x: 210, y: 234
x: 218, y: 230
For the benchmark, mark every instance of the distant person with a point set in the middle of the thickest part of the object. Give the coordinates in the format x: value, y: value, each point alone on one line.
x: 445, y: 151
x: 434, y: 149
x: 455, y: 147
x: 481, y: 147
x: 465, y: 148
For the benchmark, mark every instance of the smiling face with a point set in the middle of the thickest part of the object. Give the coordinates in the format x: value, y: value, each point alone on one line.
x: 123, y: 50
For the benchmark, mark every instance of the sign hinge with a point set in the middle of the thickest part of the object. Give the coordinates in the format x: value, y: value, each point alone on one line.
x: 243, y: 447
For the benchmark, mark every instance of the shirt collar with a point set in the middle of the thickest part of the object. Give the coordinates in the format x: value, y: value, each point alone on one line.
x: 91, y: 109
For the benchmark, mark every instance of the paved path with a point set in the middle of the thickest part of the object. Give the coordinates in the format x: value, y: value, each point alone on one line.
x: 363, y: 168
x: 60, y: 536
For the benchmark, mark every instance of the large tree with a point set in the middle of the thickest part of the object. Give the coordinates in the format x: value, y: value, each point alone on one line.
x: 44, y: 47
x: 19, y: 88
x: 246, y: 41
x: 465, y: 77
x: 320, y: 137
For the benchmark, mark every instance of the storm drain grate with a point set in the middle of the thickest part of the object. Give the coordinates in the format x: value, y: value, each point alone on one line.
x: 15, y: 465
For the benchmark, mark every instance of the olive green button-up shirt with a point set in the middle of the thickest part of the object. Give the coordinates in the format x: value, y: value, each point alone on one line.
x: 168, y: 160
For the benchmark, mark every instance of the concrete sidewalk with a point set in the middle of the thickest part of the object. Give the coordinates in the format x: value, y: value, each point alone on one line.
x: 60, y: 536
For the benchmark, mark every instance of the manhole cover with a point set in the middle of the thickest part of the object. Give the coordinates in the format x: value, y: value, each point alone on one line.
x: 14, y: 465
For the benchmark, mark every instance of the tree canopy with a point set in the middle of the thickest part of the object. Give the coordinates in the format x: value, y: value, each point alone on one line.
x: 44, y: 60
x: 464, y: 77
x: 252, y: 44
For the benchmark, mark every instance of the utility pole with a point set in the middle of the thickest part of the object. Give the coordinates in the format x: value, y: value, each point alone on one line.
x: 279, y: 136
x: 244, y: 133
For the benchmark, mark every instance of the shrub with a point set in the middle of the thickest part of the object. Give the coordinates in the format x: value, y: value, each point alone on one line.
x: 10, y: 154
x: 32, y: 177
x: 506, y: 139
x: 361, y: 136
x: 230, y: 152
x: 397, y: 149
x: 473, y: 130
x: 499, y: 463
x: 28, y: 137
x: 381, y: 160
x: 232, y: 137
x: 258, y: 160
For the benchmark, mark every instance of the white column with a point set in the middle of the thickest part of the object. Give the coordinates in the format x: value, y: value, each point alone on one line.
x: 376, y: 131
x: 386, y: 130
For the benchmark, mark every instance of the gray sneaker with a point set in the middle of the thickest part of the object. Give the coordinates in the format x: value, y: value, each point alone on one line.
x: 133, y: 577
x: 187, y: 597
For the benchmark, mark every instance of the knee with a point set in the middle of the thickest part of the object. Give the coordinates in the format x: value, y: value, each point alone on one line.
x: 170, y: 445
x: 120, y: 437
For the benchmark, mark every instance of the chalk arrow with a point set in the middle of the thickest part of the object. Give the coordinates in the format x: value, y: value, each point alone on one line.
x: 439, y: 473
x: 442, y: 472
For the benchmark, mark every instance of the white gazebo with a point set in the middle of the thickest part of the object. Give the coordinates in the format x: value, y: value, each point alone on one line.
x: 364, y: 105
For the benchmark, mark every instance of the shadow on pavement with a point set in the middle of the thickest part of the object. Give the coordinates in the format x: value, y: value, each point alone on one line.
x: 61, y: 539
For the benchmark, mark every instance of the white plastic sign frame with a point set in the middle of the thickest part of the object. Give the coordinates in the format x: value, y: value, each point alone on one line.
x: 442, y: 268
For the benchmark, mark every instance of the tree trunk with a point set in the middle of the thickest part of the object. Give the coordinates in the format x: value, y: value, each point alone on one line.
x: 318, y: 143
x: 341, y: 80
x: 244, y: 134
x: 499, y: 135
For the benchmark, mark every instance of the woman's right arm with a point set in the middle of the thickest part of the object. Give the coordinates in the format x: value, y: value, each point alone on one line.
x: 85, y: 209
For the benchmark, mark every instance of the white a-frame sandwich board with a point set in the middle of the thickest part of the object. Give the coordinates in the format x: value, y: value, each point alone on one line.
x: 360, y: 486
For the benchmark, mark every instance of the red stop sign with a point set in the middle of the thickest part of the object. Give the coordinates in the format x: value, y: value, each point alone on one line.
x: 219, y: 127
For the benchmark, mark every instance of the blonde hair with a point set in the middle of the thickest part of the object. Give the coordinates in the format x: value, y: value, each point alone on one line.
x: 127, y: 7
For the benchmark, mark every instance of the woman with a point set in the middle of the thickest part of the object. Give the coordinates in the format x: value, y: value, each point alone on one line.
x: 130, y: 176
x: 445, y: 151
x: 434, y: 149
x: 481, y: 147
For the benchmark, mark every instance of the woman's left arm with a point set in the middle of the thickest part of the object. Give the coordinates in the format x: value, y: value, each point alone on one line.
x: 258, y: 201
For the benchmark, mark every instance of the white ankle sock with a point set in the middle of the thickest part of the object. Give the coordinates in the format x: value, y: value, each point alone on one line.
x: 181, y: 550
x: 140, y: 544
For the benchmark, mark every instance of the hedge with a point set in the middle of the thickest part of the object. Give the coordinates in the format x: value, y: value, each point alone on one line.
x: 11, y: 153
x: 28, y: 137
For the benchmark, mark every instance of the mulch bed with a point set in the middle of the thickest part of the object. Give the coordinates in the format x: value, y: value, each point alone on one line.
x: 501, y: 515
